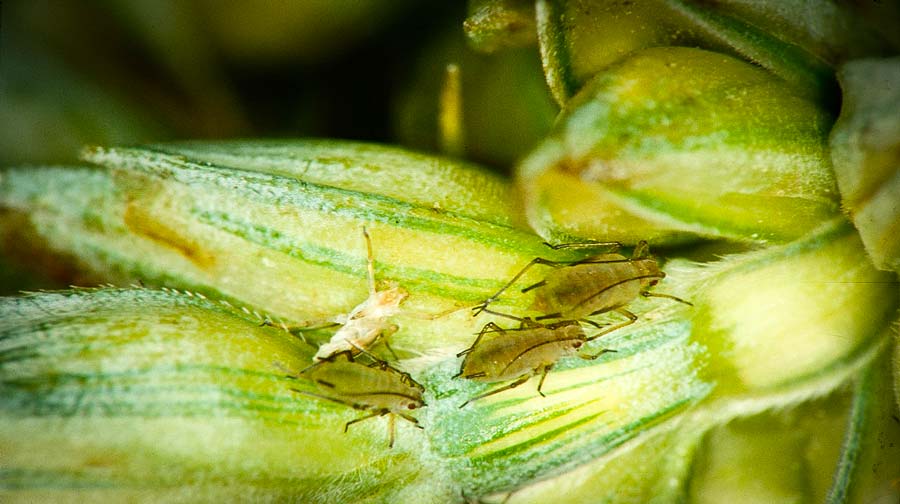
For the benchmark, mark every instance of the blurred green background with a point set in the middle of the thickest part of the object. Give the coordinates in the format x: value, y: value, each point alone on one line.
x: 137, y: 71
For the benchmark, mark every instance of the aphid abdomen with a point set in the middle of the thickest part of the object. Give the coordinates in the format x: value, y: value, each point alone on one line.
x: 537, y: 356
x: 370, y: 387
x: 578, y: 291
x: 487, y: 359
x: 509, y: 355
x: 516, y: 355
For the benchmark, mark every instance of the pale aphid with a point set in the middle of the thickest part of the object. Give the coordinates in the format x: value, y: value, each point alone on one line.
x: 377, y: 388
x: 579, y: 289
x: 518, y: 354
x: 369, y: 320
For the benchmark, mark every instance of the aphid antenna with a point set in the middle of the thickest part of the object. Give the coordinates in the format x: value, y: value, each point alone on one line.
x: 326, y: 398
x: 386, y: 345
x: 312, y: 325
x: 333, y: 357
x: 410, y: 419
x: 611, y: 245
x: 514, y: 384
x: 311, y: 366
x: 434, y: 316
x: 368, y: 353
x: 281, y: 367
x: 594, y: 356
x: 489, y: 327
x: 632, y: 318
x: 592, y: 323
x: 537, y: 260
x: 267, y: 322
x: 667, y: 296
x: 524, y: 320
x: 330, y: 358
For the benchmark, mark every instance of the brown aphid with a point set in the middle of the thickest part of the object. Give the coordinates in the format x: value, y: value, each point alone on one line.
x: 377, y: 388
x: 518, y: 354
x: 599, y: 284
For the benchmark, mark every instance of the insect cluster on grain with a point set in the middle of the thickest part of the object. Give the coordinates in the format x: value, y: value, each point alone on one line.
x: 376, y: 387
x: 568, y: 295
x: 518, y: 354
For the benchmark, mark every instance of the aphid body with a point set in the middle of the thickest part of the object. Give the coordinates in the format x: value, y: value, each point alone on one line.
x: 518, y: 354
x: 596, y: 285
x: 599, y: 284
x: 369, y: 320
x: 377, y: 388
x: 365, y: 323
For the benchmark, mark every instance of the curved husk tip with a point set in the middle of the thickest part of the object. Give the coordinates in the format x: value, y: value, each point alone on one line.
x: 865, y: 147
x: 674, y: 143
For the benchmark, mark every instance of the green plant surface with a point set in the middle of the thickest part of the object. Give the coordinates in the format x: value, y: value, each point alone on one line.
x: 720, y: 185
x: 798, y: 42
x: 674, y: 143
x: 758, y: 347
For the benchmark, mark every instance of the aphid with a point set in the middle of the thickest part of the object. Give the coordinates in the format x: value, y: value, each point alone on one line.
x: 366, y: 323
x: 518, y: 354
x: 377, y: 388
x: 599, y: 284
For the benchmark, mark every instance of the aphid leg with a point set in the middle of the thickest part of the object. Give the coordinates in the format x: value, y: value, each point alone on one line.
x: 591, y: 322
x: 547, y: 369
x: 332, y: 399
x: 391, y: 430
x: 523, y: 320
x: 281, y: 367
x: 434, y: 316
x: 296, y: 330
x: 410, y: 419
x: 632, y: 318
x: 380, y: 364
x: 364, y: 351
x: 538, y: 260
x: 641, y: 251
x: 667, y: 296
x: 311, y: 325
x: 471, y: 376
x: 613, y: 245
x: 514, y: 384
x: 380, y: 412
x: 383, y: 336
x: 534, y: 286
x: 370, y: 262
x: 594, y: 356
x: 549, y: 316
x: 331, y: 358
x: 489, y: 327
